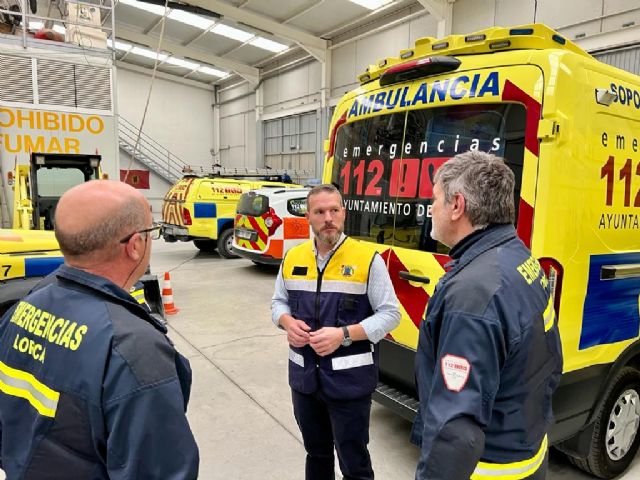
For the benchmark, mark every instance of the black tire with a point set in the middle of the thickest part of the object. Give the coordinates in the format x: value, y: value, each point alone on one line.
x: 624, y: 392
x: 208, y: 246
x: 225, y: 243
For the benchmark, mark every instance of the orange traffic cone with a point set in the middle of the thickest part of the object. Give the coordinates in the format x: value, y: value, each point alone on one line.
x: 167, y: 296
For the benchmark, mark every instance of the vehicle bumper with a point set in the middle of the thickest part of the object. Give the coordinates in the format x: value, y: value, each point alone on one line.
x: 171, y: 233
x: 257, y: 257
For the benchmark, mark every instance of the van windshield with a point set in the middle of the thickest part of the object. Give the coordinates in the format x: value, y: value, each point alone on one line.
x: 384, y: 165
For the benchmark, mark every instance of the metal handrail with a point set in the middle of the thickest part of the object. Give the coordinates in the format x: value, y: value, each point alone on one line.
x: 150, y: 152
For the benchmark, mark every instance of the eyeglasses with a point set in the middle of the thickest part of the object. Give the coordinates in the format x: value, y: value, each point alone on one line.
x: 154, y: 233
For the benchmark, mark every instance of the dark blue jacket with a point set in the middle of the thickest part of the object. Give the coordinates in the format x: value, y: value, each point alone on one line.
x: 488, y: 360
x: 91, y: 387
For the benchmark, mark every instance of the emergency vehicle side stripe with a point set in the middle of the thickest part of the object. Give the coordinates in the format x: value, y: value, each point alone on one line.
x: 296, y: 358
x: 330, y: 286
x: 42, y: 266
x: 352, y: 361
x: 24, y: 385
x: 511, y: 471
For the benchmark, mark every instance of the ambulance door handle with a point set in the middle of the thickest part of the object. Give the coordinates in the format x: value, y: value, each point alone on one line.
x: 413, y: 278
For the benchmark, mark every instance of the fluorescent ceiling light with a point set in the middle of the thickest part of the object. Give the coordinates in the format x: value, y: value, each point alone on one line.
x: 122, y: 46
x: 270, y: 45
x: 157, y: 9
x: 181, y: 62
x: 230, y: 32
x: 59, y: 29
x: 191, y: 19
x: 143, y: 52
x: 212, y: 71
x: 371, y: 4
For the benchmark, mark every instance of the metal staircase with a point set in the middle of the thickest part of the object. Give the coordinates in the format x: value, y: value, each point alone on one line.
x: 149, y: 152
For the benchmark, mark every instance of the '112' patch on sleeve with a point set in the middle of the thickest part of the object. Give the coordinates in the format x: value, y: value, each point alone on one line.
x: 455, y: 372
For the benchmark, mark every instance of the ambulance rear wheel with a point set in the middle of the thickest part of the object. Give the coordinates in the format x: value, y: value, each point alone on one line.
x: 225, y: 242
x: 208, y: 246
x: 615, y: 438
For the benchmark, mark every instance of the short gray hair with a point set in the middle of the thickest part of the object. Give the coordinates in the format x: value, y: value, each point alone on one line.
x: 104, y: 234
x: 485, y: 182
x: 324, y: 188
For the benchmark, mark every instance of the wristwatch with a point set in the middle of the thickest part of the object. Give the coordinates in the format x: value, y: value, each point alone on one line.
x: 346, y: 341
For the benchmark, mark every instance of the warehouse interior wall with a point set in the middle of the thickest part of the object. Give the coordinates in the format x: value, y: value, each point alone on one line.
x: 236, y: 114
x: 180, y: 117
x: 295, y: 89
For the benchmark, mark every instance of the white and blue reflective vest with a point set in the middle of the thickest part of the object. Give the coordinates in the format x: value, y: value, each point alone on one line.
x: 333, y: 297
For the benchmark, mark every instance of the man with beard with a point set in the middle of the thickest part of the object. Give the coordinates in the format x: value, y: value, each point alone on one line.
x: 335, y: 300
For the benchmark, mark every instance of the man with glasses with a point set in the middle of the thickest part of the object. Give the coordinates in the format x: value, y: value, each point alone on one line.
x: 90, y: 386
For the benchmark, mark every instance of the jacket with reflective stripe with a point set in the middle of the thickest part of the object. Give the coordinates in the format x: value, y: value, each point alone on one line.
x: 489, y: 350
x: 91, y: 387
x: 333, y: 297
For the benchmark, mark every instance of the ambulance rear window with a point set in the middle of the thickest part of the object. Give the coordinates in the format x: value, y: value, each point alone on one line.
x: 384, y: 165
x: 252, y: 204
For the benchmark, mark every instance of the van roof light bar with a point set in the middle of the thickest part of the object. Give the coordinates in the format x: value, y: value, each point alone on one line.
x: 533, y: 36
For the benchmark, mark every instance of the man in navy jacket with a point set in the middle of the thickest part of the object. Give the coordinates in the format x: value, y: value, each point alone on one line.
x: 489, y: 355
x: 90, y: 385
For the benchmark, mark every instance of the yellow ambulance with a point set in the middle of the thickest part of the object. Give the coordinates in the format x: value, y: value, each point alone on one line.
x: 569, y: 127
x: 203, y: 209
x: 26, y: 256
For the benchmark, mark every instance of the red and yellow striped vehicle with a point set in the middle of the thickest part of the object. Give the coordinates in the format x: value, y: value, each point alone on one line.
x: 269, y: 222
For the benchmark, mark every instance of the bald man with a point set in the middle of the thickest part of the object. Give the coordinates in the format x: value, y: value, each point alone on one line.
x: 90, y: 385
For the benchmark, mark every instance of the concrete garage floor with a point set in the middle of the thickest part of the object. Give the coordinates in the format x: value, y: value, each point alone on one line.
x: 240, y: 409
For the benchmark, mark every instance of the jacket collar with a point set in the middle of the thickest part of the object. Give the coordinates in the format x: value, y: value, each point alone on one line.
x: 476, y: 244
x: 107, y: 288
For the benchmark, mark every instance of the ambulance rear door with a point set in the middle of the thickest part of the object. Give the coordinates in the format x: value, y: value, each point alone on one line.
x: 384, y: 165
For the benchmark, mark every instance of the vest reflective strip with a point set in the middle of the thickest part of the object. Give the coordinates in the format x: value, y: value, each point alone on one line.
x: 511, y: 471
x: 355, y: 288
x: 549, y: 315
x: 296, y: 358
x: 24, y: 385
x: 352, y: 361
x: 328, y: 286
x: 138, y: 295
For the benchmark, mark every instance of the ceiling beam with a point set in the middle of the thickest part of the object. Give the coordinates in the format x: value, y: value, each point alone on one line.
x: 251, y: 74
x: 165, y: 76
x: 303, y: 11
x: 316, y: 46
x: 442, y: 10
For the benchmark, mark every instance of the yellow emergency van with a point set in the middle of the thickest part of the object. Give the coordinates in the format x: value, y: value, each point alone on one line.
x: 26, y: 256
x: 569, y: 127
x: 203, y: 209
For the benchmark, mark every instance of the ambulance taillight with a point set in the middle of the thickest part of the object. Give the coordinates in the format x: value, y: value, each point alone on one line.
x: 555, y: 273
x: 186, y: 216
x: 272, y: 221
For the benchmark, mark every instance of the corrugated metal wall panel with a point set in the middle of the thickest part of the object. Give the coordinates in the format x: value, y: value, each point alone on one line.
x: 16, y: 84
x: 627, y: 59
x: 93, y: 86
x: 56, y: 83
x: 291, y: 142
